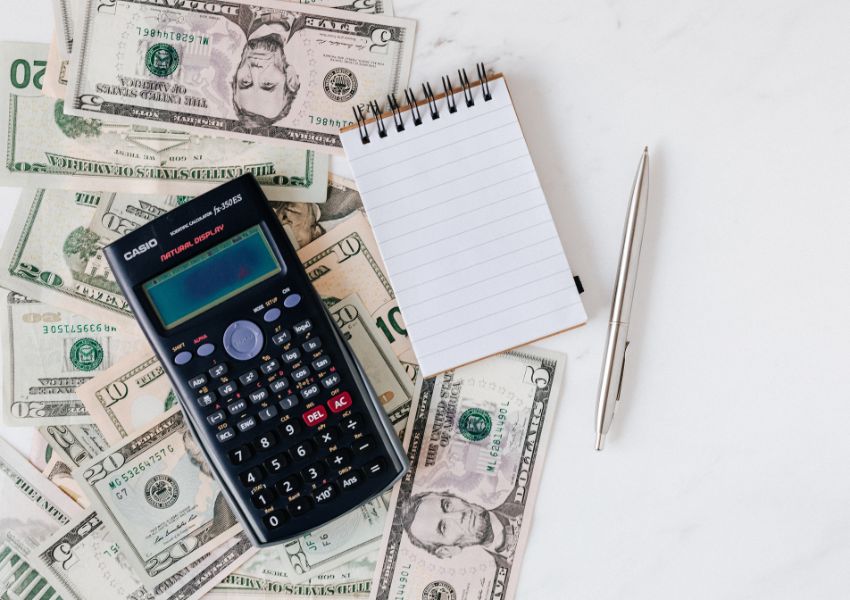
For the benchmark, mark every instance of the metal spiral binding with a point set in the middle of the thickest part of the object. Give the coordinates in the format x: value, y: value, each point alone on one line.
x: 413, y: 105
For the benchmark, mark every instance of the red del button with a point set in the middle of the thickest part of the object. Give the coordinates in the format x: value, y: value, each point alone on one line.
x: 314, y: 416
x: 339, y: 403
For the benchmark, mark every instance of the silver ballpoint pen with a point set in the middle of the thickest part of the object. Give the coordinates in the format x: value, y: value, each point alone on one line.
x: 621, y: 306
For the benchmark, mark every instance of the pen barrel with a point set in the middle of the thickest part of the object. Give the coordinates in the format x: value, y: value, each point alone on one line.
x: 612, y: 373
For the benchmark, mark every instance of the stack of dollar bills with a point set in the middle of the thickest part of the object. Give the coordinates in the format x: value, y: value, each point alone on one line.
x: 136, y: 107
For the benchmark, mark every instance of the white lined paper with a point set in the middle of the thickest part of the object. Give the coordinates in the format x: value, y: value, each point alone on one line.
x: 465, y: 231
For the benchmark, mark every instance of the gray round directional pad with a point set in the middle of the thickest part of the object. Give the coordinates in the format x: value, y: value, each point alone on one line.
x: 243, y: 340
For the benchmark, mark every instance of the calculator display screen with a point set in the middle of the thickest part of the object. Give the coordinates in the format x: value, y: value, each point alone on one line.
x: 211, y: 277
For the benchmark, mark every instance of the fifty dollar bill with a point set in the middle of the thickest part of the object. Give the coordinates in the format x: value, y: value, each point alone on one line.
x: 42, y: 146
x: 272, y: 70
x: 476, y: 442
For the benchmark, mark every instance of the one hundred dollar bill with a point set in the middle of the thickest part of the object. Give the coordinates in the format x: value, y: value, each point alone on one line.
x: 51, y: 254
x: 346, y: 261
x: 85, y: 546
x: 49, y: 352
x: 383, y: 369
x: 44, y: 147
x: 476, y: 443
x: 74, y: 444
x: 59, y: 474
x: 261, y: 70
x: 158, y: 498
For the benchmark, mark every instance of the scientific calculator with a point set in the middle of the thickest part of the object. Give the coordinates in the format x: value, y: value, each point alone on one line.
x: 285, y: 416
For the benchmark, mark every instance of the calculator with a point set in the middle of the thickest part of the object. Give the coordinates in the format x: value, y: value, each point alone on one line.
x: 285, y: 416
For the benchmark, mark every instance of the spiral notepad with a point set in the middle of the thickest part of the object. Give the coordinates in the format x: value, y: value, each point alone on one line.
x: 462, y: 222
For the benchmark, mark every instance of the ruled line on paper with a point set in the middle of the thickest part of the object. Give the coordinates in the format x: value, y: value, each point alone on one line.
x: 438, y: 148
x: 466, y: 231
x: 472, y: 247
x: 496, y: 276
x: 477, y: 264
x: 463, y: 214
x: 410, y: 139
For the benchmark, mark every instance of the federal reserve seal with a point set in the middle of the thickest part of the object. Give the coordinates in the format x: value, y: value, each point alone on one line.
x: 86, y: 354
x: 438, y: 590
x: 162, y: 491
x: 474, y: 424
x: 340, y: 84
x: 162, y: 60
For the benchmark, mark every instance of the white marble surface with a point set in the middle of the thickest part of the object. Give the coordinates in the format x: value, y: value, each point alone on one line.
x: 725, y: 474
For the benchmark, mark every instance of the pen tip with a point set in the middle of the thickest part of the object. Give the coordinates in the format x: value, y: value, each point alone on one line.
x: 600, y: 440
x: 646, y: 149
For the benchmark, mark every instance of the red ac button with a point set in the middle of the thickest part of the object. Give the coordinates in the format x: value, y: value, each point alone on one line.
x: 340, y: 402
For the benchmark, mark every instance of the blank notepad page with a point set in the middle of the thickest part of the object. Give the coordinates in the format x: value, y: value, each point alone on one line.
x: 464, y: 229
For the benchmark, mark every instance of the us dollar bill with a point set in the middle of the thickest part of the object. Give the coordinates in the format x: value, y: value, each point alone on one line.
x: 55, y: 80
x: 84, y: 546
x: 345, y: 261
x: 64, y: 28
x: 476, y: 443
x: 383, y: 369
x: 51, y: 254
x: 44, y: 147
x: 59, y: 474
x: 159, y: 499
x: 49, y: 352
x: 74, y: 444
x: 260, y: 70
x: 117, y: 215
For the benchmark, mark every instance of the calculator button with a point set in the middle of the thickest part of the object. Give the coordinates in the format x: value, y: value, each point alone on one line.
x: 279, y: 339
x: 300, y: 374
x: 243, y: 340
x: 289, y: 485
x: 299, y: 506
x: 290, y: 429
x: 291, y: 356
x: 278, y: 385
x: 309, y: 391
x: 218, y: 370
x: 328, y: 436
x: 216, y: 417
x: 258, y: 395
x: 321, y: 363
x: 197, y: 381
x: 302, y: 327
x: 323, y: 494
x: 339, y: 402
x: 205, y: 349
x: 314, y: 416
x: 240, y: 455
x: 351, y: 480
x: 331, y: 380
x: 263, y: 498
x: 226, y: 389
x: 364, y: 444
x: 234, y: 408
x: 265, y: 441
x: 375, y: 467
x: 339, y: 459
x: 248, y: 378
x: 352, y: 424
x: 181, y: 358
x: 225, y: 435
x: 269, y: 367
x: 275, y: 519
x: 288, y: 402
x: 271, y: 315
x: 206, y: 399
x: 302, y: 450
x: 277, y: 463
x: 314, y: 472
x: 252, y: 476
x: 312, y: 344
x: 246, y: 424
x: 267, y: 413
x: 291, y: 301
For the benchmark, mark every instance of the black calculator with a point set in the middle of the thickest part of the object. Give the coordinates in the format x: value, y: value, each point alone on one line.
x: 285, y: 416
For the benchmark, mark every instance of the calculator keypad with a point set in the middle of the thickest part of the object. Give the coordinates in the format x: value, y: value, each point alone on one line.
x: 278, y: 407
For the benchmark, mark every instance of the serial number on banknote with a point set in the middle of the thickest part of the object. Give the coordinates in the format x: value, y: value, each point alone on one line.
x: 140, y: 468
x: 173, y: 36
x: 328, y: 121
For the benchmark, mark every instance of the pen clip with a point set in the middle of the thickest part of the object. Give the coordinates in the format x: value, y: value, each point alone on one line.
x: 622, y: 370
